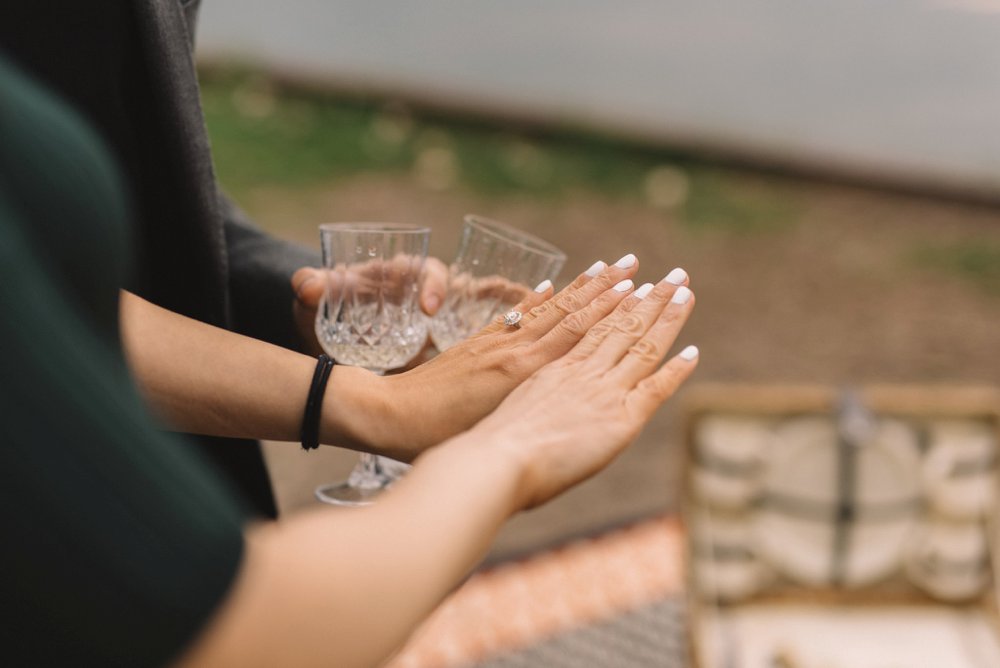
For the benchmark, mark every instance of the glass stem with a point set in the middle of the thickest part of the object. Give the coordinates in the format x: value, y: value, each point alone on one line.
x: 368, y: 473
x: 370, y: 470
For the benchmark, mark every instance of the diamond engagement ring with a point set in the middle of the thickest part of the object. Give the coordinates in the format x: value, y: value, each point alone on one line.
x: 513, y: 319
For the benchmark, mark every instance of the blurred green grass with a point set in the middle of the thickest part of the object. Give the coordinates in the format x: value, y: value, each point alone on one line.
x: 264, y: 135
x: 977, y: 262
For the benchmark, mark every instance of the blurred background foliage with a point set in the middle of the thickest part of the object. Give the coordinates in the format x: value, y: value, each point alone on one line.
x: 264, y: 134
x: 268, y: 135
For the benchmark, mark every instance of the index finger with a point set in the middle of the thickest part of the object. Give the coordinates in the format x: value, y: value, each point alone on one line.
x: 575, y: 297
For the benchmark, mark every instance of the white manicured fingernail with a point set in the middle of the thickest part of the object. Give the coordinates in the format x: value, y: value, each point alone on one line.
x: 596, y: 268
x: 682, y: 295
x: 676, y: 276
x: 689, y: 353
x: 544, y: 285
x: 625, y: 262
x: 623, y: 286
x: 643, y: 290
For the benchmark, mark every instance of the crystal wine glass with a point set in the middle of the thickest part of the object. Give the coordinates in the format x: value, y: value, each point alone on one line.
x: 496, y: 265
x: 370, y: 317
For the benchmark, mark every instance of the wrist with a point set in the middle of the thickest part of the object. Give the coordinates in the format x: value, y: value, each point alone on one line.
x: 484, y: 462
x: 500, y: 453
x: 355, y: 410
x: 309, y: 433
x: 529, y: 449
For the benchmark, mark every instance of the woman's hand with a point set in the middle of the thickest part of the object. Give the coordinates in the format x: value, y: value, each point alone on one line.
x: 572, y: 417
x: 426, y: 405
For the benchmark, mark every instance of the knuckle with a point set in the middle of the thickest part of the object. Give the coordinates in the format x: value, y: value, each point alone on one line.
x: 301, y: 275
x: 605, y: 280
x: 663, y: 291
x: 656, y: 386
x: 628, y: 305
x: 608, y: 297
x: 569, y: 302
x: 664, y: 382
x: 646, y: 350
x: 631, y: 324
x: 599, y: 331
x: 575, y: 324
x: 540, y: 310
x: 669, y: 317
x: 509, y: 365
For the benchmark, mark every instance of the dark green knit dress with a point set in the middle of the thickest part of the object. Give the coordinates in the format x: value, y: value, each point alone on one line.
x: 117, y: 542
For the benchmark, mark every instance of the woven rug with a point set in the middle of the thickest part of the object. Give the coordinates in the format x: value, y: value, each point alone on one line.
x: 650, y: 637
x: 608, y: 601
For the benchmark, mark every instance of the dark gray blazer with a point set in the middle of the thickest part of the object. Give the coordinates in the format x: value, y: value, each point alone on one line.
x: 127, y: 65
x: 247, y: 271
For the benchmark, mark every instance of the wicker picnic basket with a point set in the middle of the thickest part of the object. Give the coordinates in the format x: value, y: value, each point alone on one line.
x: 826, y: 527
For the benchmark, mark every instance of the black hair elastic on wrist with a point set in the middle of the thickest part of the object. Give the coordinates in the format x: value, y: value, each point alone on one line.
x: 310, y: 418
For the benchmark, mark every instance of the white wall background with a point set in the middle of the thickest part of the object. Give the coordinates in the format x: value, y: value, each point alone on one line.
x: 899, y: 87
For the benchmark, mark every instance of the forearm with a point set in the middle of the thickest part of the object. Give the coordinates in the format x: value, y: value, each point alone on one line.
x: 346, y: 588
x: 205, y: 380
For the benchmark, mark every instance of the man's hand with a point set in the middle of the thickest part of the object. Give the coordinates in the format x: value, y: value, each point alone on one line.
x: 309, y: 283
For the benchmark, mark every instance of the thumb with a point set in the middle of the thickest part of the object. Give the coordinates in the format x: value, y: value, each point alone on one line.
x: 308, y: 285
x: 434, y: 286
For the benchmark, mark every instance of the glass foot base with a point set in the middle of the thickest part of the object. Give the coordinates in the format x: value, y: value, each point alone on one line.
x: 345, y: 494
